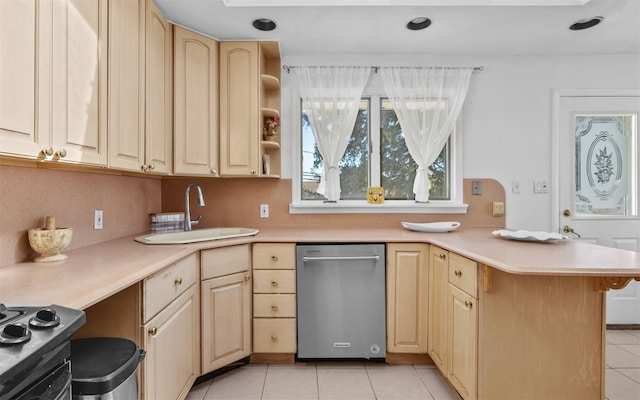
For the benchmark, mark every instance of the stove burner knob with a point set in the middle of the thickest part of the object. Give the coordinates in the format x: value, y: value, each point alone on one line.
x: 14, y: 334
x: 45, y: 318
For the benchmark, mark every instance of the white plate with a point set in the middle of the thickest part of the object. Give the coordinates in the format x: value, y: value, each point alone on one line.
x: 529, y: 236
x: 431, y: 226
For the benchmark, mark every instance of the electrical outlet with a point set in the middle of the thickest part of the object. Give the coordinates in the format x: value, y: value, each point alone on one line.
x: 264, y: 211
x: 97, y: 219
x: 498, y: 209
x: 476, y: 188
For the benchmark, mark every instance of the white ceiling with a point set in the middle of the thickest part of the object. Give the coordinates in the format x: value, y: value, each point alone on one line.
x: 455, y: 30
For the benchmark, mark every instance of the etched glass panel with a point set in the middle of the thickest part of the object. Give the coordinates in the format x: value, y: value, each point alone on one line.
x: 606, y: 165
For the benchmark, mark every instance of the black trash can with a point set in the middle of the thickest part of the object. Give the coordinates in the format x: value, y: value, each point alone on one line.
x: 105, y: 368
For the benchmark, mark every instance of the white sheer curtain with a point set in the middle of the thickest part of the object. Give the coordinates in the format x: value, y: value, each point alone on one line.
x: 427, y: 102
x: 333, y: 95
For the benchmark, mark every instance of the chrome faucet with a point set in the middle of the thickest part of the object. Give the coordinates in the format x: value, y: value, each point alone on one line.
x: 187, y: 213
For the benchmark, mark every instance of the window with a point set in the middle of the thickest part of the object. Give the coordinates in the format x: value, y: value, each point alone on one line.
x: 377, y: 155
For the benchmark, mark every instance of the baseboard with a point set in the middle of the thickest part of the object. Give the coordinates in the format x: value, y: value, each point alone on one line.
x: 408, y: 358
x: 623, y: 326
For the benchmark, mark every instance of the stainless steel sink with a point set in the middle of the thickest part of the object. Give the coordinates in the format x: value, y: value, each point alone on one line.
x: 198, y: 235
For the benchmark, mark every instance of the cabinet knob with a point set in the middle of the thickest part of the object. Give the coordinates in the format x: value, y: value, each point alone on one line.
x: 214, y: 172
x: 247, y: 277
x: 153, y: 331
x: 48, y: 151
x: 274, y: 338
x: 468, y: 304
x: 274, y: 283
x: 274, y: 307
x: 253, y: 172
x: 62, y: 153
x: 442, y: 256
x: 178, y: 281
x: 274, y: 258
x: 152, y: 166
x: 457, y: 273
x: 144, y: 167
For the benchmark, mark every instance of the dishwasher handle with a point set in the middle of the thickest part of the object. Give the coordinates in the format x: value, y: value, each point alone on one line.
x: 340, y: 258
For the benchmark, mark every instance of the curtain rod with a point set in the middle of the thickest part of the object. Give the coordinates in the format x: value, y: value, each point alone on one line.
x: 288, y: 68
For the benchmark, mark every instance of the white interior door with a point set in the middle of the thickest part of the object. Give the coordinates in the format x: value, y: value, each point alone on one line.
x: 597, y: 179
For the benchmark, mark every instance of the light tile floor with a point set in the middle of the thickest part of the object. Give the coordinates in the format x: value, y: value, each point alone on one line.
x: 622, y: 373
x: 370, y: 380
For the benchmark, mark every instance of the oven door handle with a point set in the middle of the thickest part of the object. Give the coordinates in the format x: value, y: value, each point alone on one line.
x: 340, y: 258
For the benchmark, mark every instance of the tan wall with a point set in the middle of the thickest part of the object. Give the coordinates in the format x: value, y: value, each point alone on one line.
x: 28, y: 194
x: 236, y: 202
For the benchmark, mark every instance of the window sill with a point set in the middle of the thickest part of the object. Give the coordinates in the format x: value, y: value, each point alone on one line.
x: 389, y: 207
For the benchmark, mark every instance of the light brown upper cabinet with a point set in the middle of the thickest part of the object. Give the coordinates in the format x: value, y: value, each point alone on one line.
x: 195, y: 104
x: 140, y: 87
x: 126, y: 84
x: 249, y: 96
x: 53, y: 80
x: 158, y: 93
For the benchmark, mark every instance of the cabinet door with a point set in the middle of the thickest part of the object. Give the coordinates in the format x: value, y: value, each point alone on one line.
x: 25, y: 43
x: 463, y: 332
x: 79, y: 86
x: 126, y: 84
x: 172, y: 342
x: 407, y: 285
x: 158, y: 92
x: 226, y: 320
x: 195, y: 103
x: 239, y: 130
x: 438, y: 295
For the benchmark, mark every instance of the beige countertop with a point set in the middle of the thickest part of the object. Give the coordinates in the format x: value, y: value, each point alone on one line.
x: 93, y: 273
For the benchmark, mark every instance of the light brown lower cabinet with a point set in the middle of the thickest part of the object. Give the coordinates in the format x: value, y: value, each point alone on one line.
x: 463, y: 342
x: 226, y: 320
x: 172, y: 343
x: 438, y: 338
x: 274, y: 302
x: 171, y: 330
x: 407, y: 286
x: 453, y: 319
x: 226, y: 306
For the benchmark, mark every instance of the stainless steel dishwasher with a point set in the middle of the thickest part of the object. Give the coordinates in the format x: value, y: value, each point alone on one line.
x: 341, y: 301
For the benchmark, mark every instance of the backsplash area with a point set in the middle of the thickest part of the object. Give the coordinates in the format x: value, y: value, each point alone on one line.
x: 27, y: 195
x: 236, y: 202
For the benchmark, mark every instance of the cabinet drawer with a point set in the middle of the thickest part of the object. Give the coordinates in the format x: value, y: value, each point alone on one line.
x: 160, y: 289
x: 225, y: 261
x: 274, y: 305
x: 274, y: 281
x: 274, y: 256
x: 463, y: 273
x: 276, y: 335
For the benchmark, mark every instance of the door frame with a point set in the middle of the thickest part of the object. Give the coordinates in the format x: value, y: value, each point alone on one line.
x: 557, y: 94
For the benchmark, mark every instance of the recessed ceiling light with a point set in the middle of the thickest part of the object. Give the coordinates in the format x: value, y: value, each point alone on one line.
x: 586, y: 23
x: 264, y: 24
x: 419, y: 23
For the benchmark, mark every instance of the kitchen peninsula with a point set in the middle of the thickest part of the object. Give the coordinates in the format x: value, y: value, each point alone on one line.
x: 539, y: 307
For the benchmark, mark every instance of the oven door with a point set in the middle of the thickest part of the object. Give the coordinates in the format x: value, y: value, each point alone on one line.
x: 54, y: 386
x: 42, y: 378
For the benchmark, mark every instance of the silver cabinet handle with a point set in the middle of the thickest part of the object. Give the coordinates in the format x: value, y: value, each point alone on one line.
x: 341, y: 258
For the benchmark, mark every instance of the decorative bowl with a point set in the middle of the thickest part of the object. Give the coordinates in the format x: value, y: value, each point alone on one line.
x: 49, y: 243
